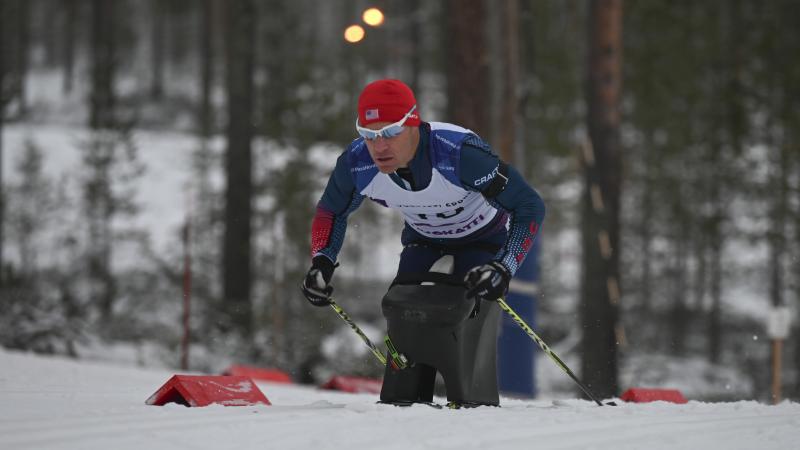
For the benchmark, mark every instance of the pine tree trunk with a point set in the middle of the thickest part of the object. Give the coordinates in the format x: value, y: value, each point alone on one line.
x: 600, y: 229
x: 101, y: 153
x: 734, y: 131
x: 713, y: 230
x: 793, y: 142
x: 23, y: 46
x: 50, y: 39
x: 99, y: 213
x: 468, y: 66
x: 2, y: 120
x: 646, y: 224
x: 679, y: 315
x: 776, y: 236
x: 700, y: 275
x: 238, y: 163
x: 206, y: 68
x: 68, y: 57
x: 2, y: 186
x: 157, y: 32
x: 415, y: 40
x: 509, y: 112
x: 715, y: 290
x: 103, y: 63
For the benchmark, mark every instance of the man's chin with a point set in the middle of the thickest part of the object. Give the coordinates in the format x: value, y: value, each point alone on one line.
x: 385, y: 169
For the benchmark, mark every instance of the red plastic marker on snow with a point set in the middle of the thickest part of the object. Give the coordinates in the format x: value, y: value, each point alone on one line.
x: 259, y: 373
x: 644, y: 395
x: 354, y: 384
x: 203, y: 390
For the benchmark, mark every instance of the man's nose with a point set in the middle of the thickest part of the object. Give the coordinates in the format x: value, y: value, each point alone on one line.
x: 380, y: 144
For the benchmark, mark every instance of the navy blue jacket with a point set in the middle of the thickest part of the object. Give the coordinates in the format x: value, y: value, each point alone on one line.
x: 468, y: 163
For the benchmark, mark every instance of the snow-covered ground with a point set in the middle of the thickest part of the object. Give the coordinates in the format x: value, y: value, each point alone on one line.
x: 55, y: 403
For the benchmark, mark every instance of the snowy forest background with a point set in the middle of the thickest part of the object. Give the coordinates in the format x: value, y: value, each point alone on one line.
x: 128, y: 126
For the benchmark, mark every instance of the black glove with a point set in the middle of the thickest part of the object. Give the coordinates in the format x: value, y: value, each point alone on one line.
x: 487, y: 282
x: 316, y: 286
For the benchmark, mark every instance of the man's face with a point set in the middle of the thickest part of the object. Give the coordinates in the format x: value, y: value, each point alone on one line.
x: 389, y: 154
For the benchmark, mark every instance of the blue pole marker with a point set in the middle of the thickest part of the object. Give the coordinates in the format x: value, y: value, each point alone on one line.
x: 515, y: 350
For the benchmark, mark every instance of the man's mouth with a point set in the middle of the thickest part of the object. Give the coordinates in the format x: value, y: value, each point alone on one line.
x: 383, y: 159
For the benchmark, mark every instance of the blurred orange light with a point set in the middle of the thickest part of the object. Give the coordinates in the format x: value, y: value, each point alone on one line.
x: 354, y: 33
x: 373, y: 17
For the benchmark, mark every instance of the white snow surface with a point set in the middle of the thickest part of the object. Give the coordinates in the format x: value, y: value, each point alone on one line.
x: 57, y: 403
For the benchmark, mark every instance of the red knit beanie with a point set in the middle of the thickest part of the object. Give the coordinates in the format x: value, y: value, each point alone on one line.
x: 386, y: 101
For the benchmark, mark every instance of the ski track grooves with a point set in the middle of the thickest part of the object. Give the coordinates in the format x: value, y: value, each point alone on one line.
x: 36, y: 432
x: 631, y: 434
x: 560, y: 428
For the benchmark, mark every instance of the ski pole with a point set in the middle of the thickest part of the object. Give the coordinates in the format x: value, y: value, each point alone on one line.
x: 529, y: 331
x: 358, y: 331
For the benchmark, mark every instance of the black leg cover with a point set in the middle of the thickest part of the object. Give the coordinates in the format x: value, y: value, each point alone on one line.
x: 430, y: 324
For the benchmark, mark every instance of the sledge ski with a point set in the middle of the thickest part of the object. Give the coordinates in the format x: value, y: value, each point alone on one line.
x: 407, y: 404
x: 448, y: 405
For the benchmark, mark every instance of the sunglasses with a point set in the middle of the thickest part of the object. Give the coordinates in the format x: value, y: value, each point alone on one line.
x: 389, y: 131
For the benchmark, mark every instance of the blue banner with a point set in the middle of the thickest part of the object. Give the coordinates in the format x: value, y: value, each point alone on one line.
x: 515, y: 353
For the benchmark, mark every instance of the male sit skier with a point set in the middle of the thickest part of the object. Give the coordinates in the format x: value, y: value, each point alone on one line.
x: 456, y: 196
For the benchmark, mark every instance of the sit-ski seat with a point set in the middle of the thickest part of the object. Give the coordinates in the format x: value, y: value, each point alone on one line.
x: 429, y: 322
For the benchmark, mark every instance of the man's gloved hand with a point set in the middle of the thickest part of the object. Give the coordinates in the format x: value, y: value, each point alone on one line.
x: 316, y: 286
x: 487, y: 282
